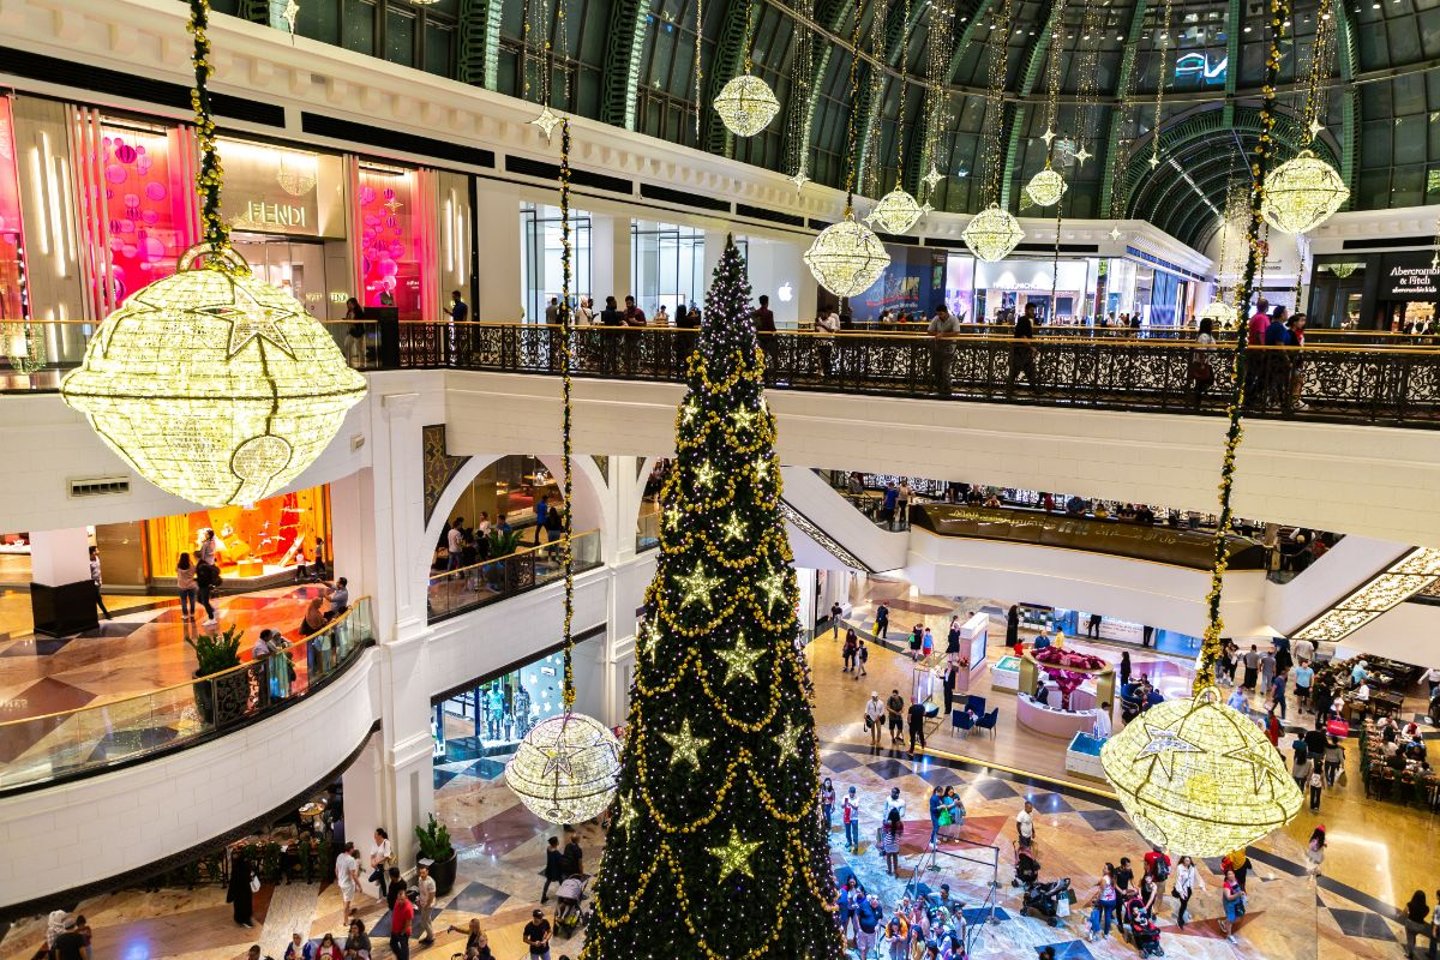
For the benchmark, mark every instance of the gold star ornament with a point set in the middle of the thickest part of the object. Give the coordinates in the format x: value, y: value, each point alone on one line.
x: 685, y: 747
x: 547, y: 121
x: 735, y: 854
x: 740, y: 660
x: 697, y: 587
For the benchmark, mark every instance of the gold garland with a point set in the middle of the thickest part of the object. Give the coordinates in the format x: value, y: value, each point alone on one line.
x: 212, y: 174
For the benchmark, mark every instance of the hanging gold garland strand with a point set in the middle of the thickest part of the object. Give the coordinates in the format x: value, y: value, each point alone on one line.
x: 1157, y: 118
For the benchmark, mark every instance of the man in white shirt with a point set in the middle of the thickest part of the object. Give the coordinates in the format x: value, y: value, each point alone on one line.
x: 1103, y: 725
x: 1025, y: 825
x: 347, y: 877
x: 455, y: 544
x: 425, y: 884
x: 1304, y: 651
x: 893, y: 802
x: 875, y: 713
x: 1433, y: 678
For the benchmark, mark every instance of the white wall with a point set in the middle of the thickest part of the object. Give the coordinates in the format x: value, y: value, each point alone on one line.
x: 1409, y: 633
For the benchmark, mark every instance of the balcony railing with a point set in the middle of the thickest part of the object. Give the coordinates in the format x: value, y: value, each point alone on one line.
x: 466, y: 588
x: 95, y: 739
x: 1383, y: 379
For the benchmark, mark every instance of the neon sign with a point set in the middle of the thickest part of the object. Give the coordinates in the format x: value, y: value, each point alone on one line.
x: 1197, y: 67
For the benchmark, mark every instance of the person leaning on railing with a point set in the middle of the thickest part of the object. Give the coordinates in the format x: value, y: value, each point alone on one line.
x: 944, y: 326
x: 827, y: 324
x: 1022, y: 352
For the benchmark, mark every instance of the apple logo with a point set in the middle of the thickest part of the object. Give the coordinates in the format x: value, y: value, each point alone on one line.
x: 785, y: 292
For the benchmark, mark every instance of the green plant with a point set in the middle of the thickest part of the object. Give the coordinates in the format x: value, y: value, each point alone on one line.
x: 215, y: 653
x: 503, y: 544
x: 434, y: 840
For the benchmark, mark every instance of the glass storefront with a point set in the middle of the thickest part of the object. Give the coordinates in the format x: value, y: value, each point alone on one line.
x: 1060, y: 291
x: 389, y: 248
x: 540, y: 268
x: 265, y: 540
x: 491, y: 718
x: 14, y: 303
x: 667, y: 266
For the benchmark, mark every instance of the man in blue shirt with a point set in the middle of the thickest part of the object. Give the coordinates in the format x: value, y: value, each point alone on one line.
x: 892, y: 496
x: 1277, y: 690
x: 937, y: 803
x: 459, y: 312
x: 1304, y: 677
x: 541, y: 509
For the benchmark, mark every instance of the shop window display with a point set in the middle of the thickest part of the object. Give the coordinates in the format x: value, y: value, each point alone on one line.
x: 13, y: 305
x: 148, y: 206
x: 389, y: 246
x: 266, y: 539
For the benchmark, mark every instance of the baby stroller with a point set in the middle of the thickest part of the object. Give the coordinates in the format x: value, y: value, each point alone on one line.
x: 1044, y: 899
x: 1027, y: 868
x: 1144, y: 932
x: 568, y: 916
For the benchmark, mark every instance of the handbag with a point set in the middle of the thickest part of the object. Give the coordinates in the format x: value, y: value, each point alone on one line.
x: 254, y: 883
x: 869, y: 723
x: 1201, y: 372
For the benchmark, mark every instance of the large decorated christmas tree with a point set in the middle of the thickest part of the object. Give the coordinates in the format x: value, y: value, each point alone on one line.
x: 717, y: 850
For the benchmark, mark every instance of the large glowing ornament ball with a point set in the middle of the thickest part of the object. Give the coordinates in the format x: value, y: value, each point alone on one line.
x: 214, y: 385
x: 992, y: 233
x: 896, y: 212
x: 1219, y: 312
x: 847, y: 258
x: 567, y: 768
x: 1302, y: 193
x: 1199, y: 778
x: 746, y: 105
x: 1045, y: 188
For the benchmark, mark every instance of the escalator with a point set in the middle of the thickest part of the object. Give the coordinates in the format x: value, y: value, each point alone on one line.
x: 828, y: 532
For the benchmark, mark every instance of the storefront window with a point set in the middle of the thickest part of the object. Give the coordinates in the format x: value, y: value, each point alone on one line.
x: 149, y: 205
x: 13, y: 301
x: 1058, y: 290
x: 389, y: 248
x: 266, y: 539
x: 667, y: 265
x: 541, y: 275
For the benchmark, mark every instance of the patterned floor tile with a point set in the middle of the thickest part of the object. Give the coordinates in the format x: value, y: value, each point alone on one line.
x: 838, y: 762
x: 890, y: 769
x: 1104, y: 820
x: 993, y: 789
x: 1050, y: 803
x: 1363, y: 923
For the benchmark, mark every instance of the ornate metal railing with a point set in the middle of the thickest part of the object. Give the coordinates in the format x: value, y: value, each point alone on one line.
x: 467, y: 588
x: 1383, y: 378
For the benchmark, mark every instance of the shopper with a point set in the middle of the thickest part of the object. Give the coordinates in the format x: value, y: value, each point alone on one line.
x: 937, y: 807
x: 207, y: 581
x: 1022, y: 352
x: 1252, y: 668
x: 355, y: 333
x: 381, y: 859
x: 1417, y: 922
x: 402, y: 916
x: 95, y: 579
x: 185, y: 585
x: 1315, y: 849
x: 1316, y: 781
x: 890, y: 842
x: 1187, y: 880
x: 943, y: 328
x: 827, y: 805
x: 1025, y: 826
x: 882, y: 621
x: 459, y: 311
x: 357, y: 942
x: 850, y: 817
x: 874, y: 717
x: 1232, y: 898
x: 1334, y: 760
x: 554, y: 871
x: 1012, y: 626
x: 425, y: 885
x: 868, y: 916
x: 862, y: 657
x: 537, y: 935
x: 347, y: 877
x: 847, y: 653
x: 895, y: 715
x: 1107, y: 895
x: 916, y: 721
x: 240, y: 892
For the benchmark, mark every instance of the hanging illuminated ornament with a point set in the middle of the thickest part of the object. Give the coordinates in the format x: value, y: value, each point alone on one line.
x: 932, y: 176
x: 1219, y: 311
x: 800, y: 179
x: 214, y: 385
x: 896, y: 212
x: 567, y: 768
x: 847, y: 258
x: 546, y: 120
x: 1045, y: 188
x: 1303, y: 193
x: 1199, y: 778
x: 992, y: 233
x: 296, y: 174
x: 746, y: 105
x: 290, y: 14
x: 25, y: 349
x: 1343, y: 270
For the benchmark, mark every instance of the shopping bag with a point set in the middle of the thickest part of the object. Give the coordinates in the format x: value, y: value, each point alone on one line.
x: 1062, y: 907
x: 1337, y: 728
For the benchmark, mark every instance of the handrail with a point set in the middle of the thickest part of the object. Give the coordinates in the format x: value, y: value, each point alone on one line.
x: 131, y: 728
x: 452, y: 592
x: 517, y: 553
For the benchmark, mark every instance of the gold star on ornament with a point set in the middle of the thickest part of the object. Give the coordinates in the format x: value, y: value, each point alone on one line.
x: 546, y: 121
x: 789, y: 741
x: 800, y: 179
x: 734, y: 527
x: 1163, y: 746
x: 744, y: 418
x: 697, y: 587
x: 1258, y: 756
x: 740, y: 660
x: 774, y: 589
x: 1047, y: 136
x: 931, y: 177
x: 557, y: 760
x: 247, y: 325
x: 1082, y: 155
x: 685, y: 745
x: 627, y: 814
x: 736, y: 854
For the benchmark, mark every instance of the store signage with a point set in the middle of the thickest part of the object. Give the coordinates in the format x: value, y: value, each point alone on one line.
x: 1197, y: 67
x: 1402, y: 282
x: 260, y: 214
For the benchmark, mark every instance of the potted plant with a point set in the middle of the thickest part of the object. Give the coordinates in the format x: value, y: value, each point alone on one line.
x: 214, y: 653
x: 435, y: 847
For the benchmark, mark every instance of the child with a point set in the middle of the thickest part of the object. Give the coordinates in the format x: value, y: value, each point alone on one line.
x: 1317, y: 782
x: 862, y: 654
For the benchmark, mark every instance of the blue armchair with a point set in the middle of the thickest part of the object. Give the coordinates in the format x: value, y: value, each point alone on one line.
x: 975, y: 705
x: 988, y: 721
x: 961, y: 721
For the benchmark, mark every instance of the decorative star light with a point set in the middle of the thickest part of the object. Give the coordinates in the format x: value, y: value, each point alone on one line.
x: 547, y: 121
x: 1082, y: 155
x: 627, y: 815
x: 735, y: 854
x: 932, y: 176
x: 789, y: 740
x: 688, y: 411
x: 740, y: 659
x: 251, y: 323
x: 1316, y: 128
x: 697, y: 587
x: 290, y: 14
x: 1258, y: 759
x: 925, y: 208
x: 705, y: 475
x: 762, y: 468
x: 746, y: 105
x: 557, y: 760
x: 744, y: 418
x: 1154, y: 160
x: 1115, y: 233
x: 1047, y: 136
x: 685, y: 746
x: 773, y: 587
x: 672, y: 518
x: 800, y: 179
x: 734, y: 527
x: 1164, y: 744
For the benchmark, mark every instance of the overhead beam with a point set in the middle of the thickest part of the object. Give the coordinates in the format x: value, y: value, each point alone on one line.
x: 479, y: 60
x: 624, y: 48
x: 1117, y: 113
x: 1234, y: 16
x: 1349, y: 56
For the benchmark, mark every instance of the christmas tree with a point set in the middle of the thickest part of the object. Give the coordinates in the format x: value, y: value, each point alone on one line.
x: 717, y: 850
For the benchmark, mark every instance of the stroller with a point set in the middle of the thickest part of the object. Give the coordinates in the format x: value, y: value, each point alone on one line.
x: 1044, y: 899
x: 568, y: 915
x: 1144, y: 932
x: 1027, y: 868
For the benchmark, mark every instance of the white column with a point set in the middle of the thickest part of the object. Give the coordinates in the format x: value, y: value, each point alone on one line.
x: 364, y: 809
x: 59, y: 557
x: 497, y: 216
x: 714, y: 246
x: 620, y: 264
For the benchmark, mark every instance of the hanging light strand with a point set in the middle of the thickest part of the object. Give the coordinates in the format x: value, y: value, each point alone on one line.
x: 853, y: 85
x: 938, y: 49
x: 567, y: 333
x: 216, y: 232
x: 1088, y: 87
x: 1164, y: 58
x: 802, y: 68
x: 1052, y: 81
x: 904, y: 86
x: 1320, y: 54
x: 699, y: 74
x: 998, y: 48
